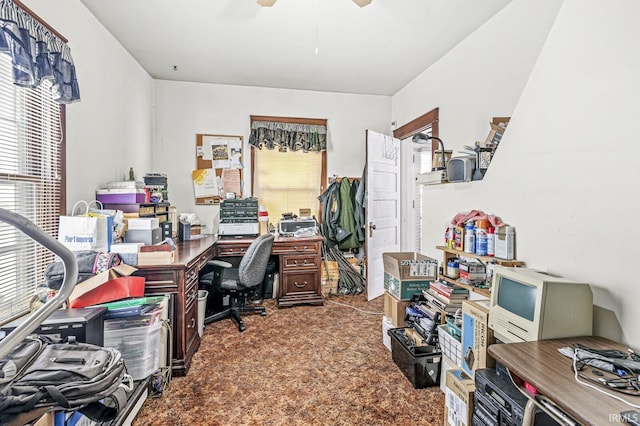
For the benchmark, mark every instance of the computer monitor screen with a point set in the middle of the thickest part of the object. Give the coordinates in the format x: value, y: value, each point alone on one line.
x: 517, y: 298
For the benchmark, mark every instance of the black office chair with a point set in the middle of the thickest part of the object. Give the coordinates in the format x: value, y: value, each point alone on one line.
x: 239, y: 283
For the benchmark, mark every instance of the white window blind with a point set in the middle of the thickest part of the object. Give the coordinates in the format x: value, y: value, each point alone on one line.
x: 287, y: 181
x: 31, y: 146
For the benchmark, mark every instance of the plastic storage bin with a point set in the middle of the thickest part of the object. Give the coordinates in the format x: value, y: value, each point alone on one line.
x: 419, y: 364
x: 138, y: 340
x: 450, y: 346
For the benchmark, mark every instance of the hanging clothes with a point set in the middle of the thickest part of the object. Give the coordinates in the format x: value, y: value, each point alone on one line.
x: 330, y: 201
x: 346, y: 219
x: 357, y: 196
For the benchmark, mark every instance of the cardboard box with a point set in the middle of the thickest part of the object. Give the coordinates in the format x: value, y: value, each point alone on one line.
x: 458, y: 405
x: 404, y: 289
x: 476, y: 336
x: 156, y: 257
x: 143, y: 223
x: 122, y: 270
x: 146, y: 236
x: 386, y: 326
x: 410, y: 265
x: 114, y: 284
x: 446, y: 364
x: 395, y: 310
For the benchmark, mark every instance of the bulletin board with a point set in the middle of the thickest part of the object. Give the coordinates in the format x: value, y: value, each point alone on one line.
x: 218, y: 157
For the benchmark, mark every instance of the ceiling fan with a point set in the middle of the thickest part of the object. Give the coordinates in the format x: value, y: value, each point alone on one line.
x: 269, y: 3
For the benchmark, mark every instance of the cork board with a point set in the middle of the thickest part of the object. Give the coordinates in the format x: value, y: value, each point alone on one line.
x: 223, y: 154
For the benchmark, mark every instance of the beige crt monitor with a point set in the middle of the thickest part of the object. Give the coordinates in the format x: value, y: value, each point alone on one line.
x: 528, y: 305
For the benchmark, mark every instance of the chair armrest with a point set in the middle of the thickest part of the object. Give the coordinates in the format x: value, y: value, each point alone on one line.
x: 219, y: 263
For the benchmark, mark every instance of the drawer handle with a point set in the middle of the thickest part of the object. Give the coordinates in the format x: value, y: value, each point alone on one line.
x: 192, y: 323
x: 304, y: 248
x: 295, y: 262
x: 303, y: 285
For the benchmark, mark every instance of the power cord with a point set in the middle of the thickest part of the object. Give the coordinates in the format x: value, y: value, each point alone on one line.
x: 577, y: 378
x: 353, y: 307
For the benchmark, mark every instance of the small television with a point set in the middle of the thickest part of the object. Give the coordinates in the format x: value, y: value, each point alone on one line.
x: 528, y: 305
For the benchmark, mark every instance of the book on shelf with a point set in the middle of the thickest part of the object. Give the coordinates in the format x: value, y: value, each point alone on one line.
x: 448, y: 290
x: 442, y: 303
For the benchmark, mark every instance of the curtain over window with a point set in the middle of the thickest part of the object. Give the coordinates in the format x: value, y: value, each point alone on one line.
x: 37, y: 53
x: 288, y: 136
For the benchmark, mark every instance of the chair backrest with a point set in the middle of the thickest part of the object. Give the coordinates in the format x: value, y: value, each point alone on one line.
x: 254, y: 262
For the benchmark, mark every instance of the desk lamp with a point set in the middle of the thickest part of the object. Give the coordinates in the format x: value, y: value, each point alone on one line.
x: 422, y: 138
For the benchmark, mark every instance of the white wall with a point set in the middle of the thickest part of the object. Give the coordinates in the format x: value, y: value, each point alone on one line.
x: 482, y: 77
x: 184, y: 109
x: 110, y: 129
x: 565, y: 171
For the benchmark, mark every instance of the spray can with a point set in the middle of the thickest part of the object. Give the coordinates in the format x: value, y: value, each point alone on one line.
x: 469, y: 238
x: 481, y: 237
x: 491, y: 241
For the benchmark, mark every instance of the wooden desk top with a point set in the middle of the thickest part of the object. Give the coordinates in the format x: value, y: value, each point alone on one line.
x: 540, y: 364
x: 187, y: 252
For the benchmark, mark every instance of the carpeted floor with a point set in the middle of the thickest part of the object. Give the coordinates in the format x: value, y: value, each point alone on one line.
x: 306, y: 365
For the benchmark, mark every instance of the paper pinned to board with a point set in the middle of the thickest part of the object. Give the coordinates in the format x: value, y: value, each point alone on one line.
x: 205, y: 183
x: 231, y: 181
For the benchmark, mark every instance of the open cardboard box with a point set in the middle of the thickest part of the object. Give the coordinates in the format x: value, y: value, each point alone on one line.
x: 113, y: 284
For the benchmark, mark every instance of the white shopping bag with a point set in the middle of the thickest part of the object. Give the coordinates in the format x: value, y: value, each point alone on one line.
x: 80, y: 232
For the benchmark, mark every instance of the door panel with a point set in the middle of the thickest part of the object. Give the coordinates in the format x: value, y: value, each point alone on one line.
x: 383, y: 206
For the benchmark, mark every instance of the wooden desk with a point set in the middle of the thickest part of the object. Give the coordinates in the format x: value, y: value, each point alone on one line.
x: 181, y: 279
x: 540, y: 364
x: 299, y: 266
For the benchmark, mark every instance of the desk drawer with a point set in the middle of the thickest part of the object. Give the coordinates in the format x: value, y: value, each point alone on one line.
x: 299, y: 262
x: 191, y: 278
x: 231, y: 250
x: 296, y: 283
x: 159, y: 280
x: 297, y: 247
x: 190, y: 327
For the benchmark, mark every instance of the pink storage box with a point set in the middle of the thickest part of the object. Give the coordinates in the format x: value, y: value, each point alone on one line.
x: 119, y: 196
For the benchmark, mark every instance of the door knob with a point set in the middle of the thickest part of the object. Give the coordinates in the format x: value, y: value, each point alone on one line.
x: 372, y: 226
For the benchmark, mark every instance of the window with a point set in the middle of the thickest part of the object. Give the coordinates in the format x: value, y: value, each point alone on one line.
x: 417, y: 160
x: 288, y: 161
x: 31, y: 184
x: 287, y: 181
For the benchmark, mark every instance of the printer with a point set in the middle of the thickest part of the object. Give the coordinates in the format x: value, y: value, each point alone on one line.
x: 291, y: 226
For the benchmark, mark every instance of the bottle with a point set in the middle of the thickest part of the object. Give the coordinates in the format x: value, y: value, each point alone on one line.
x: 469, y: 238
x: 453, y: 269
x: 491, y: 241
x: 481, y: 237
x: 132, y: 175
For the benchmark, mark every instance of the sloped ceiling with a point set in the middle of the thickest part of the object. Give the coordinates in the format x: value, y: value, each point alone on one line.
x: 324, y: 45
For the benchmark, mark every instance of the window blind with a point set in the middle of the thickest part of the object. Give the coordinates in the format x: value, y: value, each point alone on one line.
x: 31, y: 182
x: 287, y: 181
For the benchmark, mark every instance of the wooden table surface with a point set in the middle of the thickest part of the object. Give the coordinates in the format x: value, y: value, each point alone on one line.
x: 541, y: 364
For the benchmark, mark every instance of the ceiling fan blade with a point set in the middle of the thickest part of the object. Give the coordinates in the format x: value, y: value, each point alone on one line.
x: 266, y: 3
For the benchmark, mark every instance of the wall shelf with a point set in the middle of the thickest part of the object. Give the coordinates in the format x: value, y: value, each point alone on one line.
x: 449, y: 253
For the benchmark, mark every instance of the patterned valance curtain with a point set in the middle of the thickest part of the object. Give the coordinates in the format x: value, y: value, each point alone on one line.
x: 288, y: 136
x: 37, y: 54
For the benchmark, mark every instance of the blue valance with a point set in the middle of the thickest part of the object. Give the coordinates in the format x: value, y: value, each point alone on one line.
x: 288, y: 136
x: 37, y: 54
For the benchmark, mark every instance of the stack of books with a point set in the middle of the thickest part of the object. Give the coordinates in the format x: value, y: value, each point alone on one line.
x: 445, y: 296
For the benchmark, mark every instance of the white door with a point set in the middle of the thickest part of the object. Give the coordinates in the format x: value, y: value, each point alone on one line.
x: 383, y: 206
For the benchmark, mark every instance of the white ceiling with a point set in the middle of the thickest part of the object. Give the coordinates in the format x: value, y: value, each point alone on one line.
x: 376, y: 49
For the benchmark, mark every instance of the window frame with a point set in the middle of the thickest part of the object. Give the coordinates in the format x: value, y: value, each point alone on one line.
x: 291, y: 120
x: 29, y: 118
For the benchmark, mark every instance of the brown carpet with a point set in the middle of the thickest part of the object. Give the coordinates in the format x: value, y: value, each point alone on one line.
x: 306, y: 365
